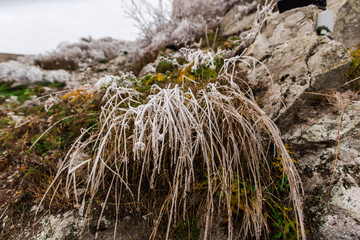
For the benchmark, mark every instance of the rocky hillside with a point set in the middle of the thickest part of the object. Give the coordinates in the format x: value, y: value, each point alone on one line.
x: 248, y: 130
x: 4, y: 57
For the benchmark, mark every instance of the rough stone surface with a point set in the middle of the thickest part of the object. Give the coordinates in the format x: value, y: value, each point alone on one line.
x: 238, y: 19
x: 328, y: 65
x: 346, y: 22
x: 319, y: 140
x: 61, y: 226
x: 298, y: 59
x: 325, y: 146
x: 300, y: 68
x: 284, y: 27
x: 325, y: 128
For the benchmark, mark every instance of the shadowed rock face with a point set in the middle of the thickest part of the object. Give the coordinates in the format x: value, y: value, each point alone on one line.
x: 298, y: 59
x: 347, y: 21
x: 303, y: 66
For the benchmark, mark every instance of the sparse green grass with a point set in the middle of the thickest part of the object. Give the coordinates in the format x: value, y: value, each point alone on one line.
x: 23, y: 93
x: 39, y: 164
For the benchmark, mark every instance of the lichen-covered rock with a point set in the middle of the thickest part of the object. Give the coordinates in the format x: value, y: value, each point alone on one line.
x: 282, y: 28
x: 326, y: 128
x: 298, y: 67
x: 238, y: 19
x: 326, y: 140
x: 61, y: 226
x: 347, y: 21
x: 328, y: 64
x: 298, y: 59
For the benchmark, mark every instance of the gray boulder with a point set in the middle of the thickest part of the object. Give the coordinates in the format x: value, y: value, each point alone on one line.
x: 239, y: 18
x: 302, y: 65
x: 346, y: 22
x: 296, y: 60
x: 298, y: 86
x: 326, y: 142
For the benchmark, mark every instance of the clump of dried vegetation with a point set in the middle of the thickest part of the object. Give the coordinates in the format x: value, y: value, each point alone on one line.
x: 209, y: 148
x: 185, y: 146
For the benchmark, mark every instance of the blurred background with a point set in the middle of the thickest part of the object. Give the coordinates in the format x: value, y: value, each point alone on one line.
x: 38, y: 26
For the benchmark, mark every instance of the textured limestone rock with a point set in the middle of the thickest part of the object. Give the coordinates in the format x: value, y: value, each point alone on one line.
x: 61, y: 226
x: 284, y: 27
x: 320, y: 140
x: 314, y: 138
x: 298, y: 59
x: 300, y: 67
x: 238, y: 19
x: 325, y: 128
x: 347, y: 21
x: 328, y: 65
x: 120, y: 60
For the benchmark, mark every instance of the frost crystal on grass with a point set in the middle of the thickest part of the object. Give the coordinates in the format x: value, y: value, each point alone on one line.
x: 124, y: 80
x: 200, y: 58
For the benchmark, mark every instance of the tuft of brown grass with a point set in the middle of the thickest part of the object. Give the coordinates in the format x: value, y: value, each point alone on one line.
x: 218, y: 138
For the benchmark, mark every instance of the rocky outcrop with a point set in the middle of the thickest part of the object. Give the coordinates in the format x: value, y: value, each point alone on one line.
x: 239, y: 18
x: 346, y: 22
x: 326, y: 142
x: 298, y: 86
x: 296, y: 59
x: 4, y: 57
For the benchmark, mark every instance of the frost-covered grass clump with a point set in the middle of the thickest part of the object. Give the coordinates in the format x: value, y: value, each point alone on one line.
x: 175, y: 148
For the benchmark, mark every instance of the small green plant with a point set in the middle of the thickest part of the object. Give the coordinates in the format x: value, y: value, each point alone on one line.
x: 186, y: 229
x: 165, y: 66
x: 354, y: 71
x: 280, y: 214
x: 282, y: 221
x: 355, y: 57
x: 23, y: 93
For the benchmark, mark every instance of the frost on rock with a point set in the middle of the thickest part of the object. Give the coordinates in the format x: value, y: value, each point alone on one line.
x: 16, y: 73
x: 89, y: 49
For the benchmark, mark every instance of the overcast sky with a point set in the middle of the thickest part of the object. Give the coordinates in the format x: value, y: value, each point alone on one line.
x: 38, y: 26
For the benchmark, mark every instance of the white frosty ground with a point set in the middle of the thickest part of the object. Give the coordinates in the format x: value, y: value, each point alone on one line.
x: 38, y: 26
